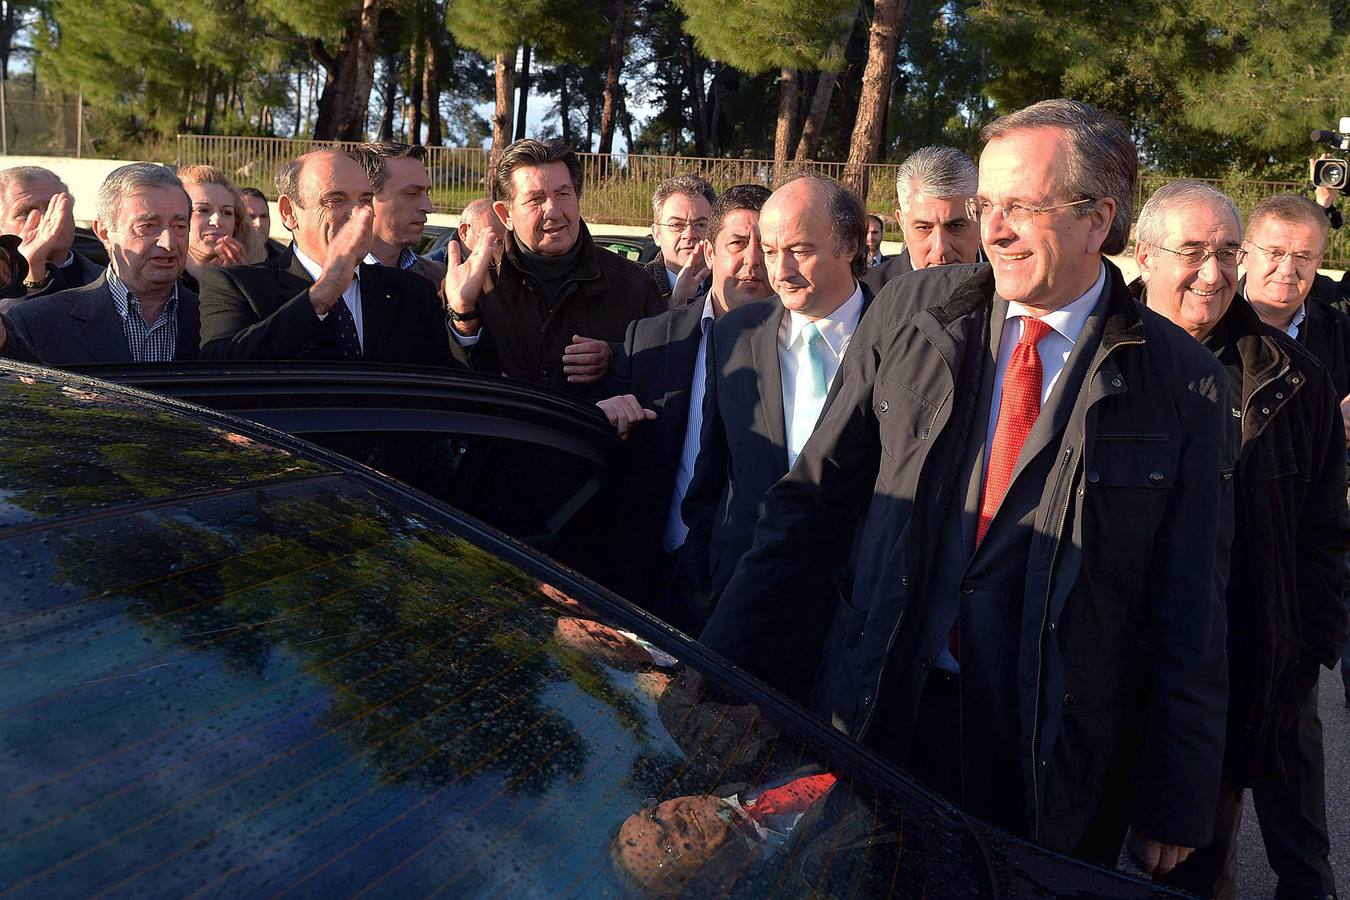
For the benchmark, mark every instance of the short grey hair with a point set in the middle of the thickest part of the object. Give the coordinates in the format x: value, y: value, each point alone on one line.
x: 1151, y: 228
x: 939, y: 172
x: 1102, y: 160
x: 24, y: 176
x: 475, y: 210
x: 690, y: 185
x: 1289, y: 208
x: 130, y: 179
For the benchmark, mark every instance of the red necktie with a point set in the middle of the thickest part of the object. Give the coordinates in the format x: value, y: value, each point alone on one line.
x: 794, y: 797
x: 1017, y: 412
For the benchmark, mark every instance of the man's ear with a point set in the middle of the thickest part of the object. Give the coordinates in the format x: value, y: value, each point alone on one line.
x: 708, y: 251
x: 503, y: 212
x: 1102, y: 215
x: 101, y: 232
x: 286, y: 210
x: 1143, y: 257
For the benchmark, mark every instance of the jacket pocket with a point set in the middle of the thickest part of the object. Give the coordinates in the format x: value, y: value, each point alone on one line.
x: 902, y: 414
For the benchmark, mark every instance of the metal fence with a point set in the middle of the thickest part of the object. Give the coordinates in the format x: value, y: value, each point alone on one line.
x: 618, y: 187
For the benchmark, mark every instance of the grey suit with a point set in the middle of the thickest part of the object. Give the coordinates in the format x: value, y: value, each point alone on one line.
x: 81, y: 325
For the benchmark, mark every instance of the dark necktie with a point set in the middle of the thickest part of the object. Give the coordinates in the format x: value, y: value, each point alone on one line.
x: 344, y: 326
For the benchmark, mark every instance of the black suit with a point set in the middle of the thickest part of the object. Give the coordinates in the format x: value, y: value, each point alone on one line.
x: 80, y: 271
x: 655, y: 363
x: 264, y: 312
x: 81, y: 325
x: 743, y: 446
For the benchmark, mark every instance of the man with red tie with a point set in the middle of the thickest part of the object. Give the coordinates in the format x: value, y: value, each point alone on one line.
x: 1035, y: 625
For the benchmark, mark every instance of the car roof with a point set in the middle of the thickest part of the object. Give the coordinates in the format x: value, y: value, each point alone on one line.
x: 236, y: 663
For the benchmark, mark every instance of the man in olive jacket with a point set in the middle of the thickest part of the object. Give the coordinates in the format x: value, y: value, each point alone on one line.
x: 1045, y: 647
x: 546, y: 311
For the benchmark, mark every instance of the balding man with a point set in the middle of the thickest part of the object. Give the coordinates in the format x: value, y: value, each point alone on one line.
x: 1036, y: 621
x: 931, y: 190
x: 770, y: 365
x: 1285, y: 614
x: 318, y: 300
x: 36, y: 205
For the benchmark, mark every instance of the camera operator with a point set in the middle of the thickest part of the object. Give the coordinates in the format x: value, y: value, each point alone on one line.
x: 1326, y: 198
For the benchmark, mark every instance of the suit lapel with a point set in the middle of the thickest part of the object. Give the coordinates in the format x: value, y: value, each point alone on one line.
x: 769, y: 373
x: 683, y: 335
x: 377, y: 313
x: 100, y: 330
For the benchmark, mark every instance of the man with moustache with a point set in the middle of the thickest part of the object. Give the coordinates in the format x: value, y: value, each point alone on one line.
x: 546, y: 311
x: 136, y: 311
x: 1036, y: 622
x: 319, y: 299
x: 932, y: 186
x: 680, y: 210
x: 770, y: 364
x: 658, y: 377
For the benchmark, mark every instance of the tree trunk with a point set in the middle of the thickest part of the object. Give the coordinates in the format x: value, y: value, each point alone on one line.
x: 609, y: 115
x: 565, y: 106
x: 416, y: 62
x: 523, y: 91
x: 386, y: 132
x: 787, y: 115
x: 693, y: 71
x: 350, y: 76
x: 883, y: 39
x: 208, y: 117
x: 501, y: 114
x: 814, y: 129
x: 432, y: 92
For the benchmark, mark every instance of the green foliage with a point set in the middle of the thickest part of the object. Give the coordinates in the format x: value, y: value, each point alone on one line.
x: 760, y: 35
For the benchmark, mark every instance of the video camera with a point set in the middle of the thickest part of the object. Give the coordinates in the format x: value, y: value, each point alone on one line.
x: 1332, y: 173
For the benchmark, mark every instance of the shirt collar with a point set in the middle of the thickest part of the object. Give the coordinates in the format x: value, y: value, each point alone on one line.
x: 70, y: 258
x: 123, y: 297
x: 705, y: 321
x: 836, y: 328
x: 315, y: 270
x: 406, y: 259
x: 1067, y: 320
x: 1299, y: 316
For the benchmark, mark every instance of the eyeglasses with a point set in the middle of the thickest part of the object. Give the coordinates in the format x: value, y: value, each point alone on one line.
x: 1016, y: 213
x: 1301, y: 260
x: 1195, y: 257
x: 697, y: 229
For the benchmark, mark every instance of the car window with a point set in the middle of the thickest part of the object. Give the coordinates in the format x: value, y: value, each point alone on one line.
x: 305, y: 687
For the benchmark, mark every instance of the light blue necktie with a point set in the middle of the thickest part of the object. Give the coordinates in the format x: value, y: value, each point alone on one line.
x: 809, y: 393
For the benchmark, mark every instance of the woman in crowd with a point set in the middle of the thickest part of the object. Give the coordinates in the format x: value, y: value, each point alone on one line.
x: 217, y: 233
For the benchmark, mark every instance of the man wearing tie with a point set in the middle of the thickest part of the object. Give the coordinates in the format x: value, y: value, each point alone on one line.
x: 1042, y: 473
x: 770, y: 364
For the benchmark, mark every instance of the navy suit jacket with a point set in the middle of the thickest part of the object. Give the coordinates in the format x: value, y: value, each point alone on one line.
x: 81, y: 325
x: 263, y: 312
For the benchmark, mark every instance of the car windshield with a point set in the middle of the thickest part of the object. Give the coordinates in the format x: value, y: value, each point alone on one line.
x: 302, y: 681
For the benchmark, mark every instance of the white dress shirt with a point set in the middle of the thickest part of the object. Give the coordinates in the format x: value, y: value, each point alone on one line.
x: 676, y: 530
x: 352, y: 295
x: 837, y: 330
x: 1054, y: 349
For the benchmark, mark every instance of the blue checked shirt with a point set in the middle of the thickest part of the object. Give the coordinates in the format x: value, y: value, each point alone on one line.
x: 147, y: 343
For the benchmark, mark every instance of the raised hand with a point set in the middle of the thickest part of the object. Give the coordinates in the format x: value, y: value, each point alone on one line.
x: 229, y: 252
x: 46, y: 233
x: 464, y: 278
x: 623, y: 412
x: 690, y: 278
x: 345, y: 251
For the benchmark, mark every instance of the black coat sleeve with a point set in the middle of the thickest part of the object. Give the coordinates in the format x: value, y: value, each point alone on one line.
x: 17, y: 346
x: 233, y: 327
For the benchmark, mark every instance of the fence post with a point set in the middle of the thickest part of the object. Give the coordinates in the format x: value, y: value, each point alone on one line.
x: 79, y: 123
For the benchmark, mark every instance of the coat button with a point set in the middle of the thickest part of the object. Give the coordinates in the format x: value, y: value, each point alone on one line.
x: 1051, y: 627
x: 883, y: 405
x: 967, y: 587
x: 867, y: 700
x: 1094, y: 476
x: 1068, y: 699
x: 543, y: 374
x: 1265, y: 410
x: 925, y: 664
x: 1156, y: 477
x: 904, y: 581
x: 1279, y: 396
x: 1295, y: 380
x: 1115, y: 382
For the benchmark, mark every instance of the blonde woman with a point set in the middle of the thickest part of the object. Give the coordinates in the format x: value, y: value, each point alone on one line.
x: 217, y: 233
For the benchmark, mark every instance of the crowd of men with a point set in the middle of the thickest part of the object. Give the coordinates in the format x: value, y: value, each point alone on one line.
x: 1068, y: 549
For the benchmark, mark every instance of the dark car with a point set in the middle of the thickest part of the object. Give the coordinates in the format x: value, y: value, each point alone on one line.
x: 236, y: 664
